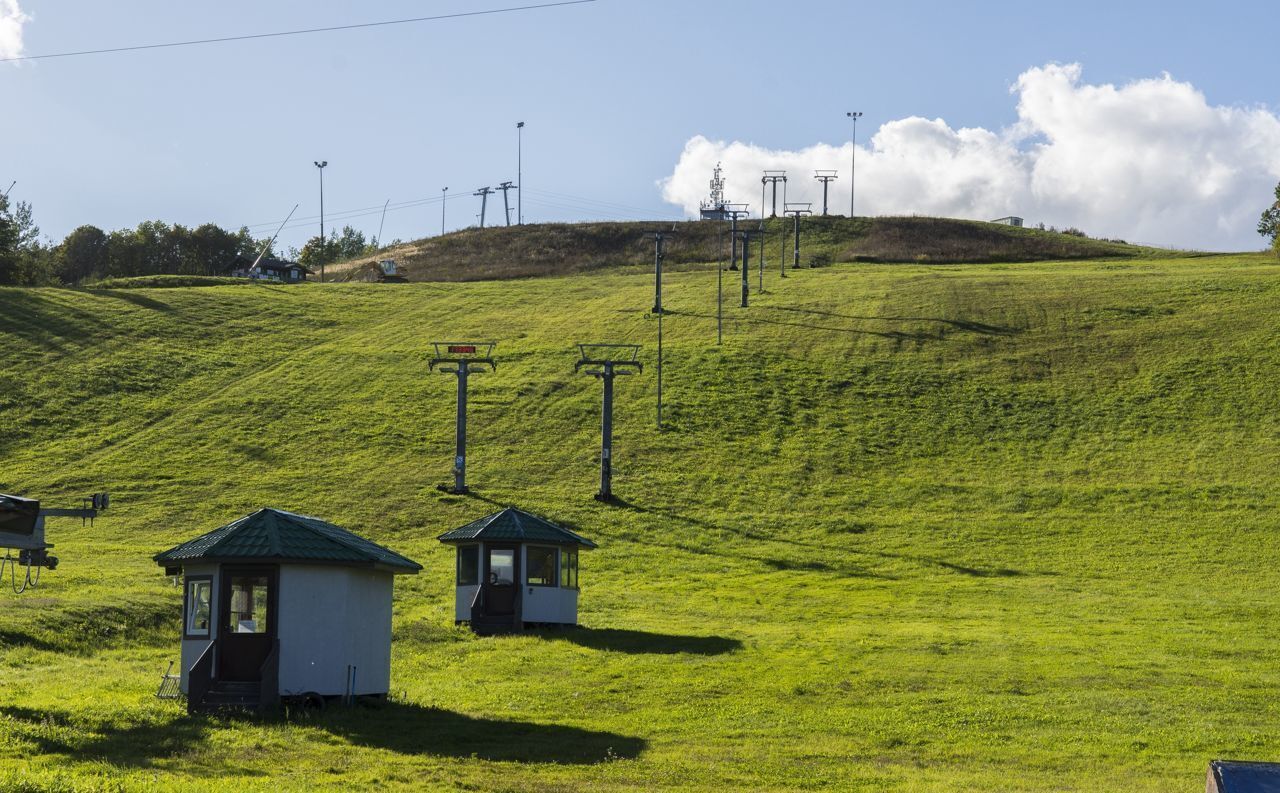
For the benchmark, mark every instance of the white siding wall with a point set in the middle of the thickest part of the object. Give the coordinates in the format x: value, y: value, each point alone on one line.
x: 192, y: 648
x: 462, y: 602
x: 329, y: 618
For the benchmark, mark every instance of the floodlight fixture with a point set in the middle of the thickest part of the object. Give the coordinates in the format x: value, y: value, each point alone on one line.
x: 853, y: 156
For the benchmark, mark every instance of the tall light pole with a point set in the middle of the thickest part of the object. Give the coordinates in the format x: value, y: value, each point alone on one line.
x: 444, y: 197
x: 321, y: 164
x: 853, y: 156
x: 519, y: 174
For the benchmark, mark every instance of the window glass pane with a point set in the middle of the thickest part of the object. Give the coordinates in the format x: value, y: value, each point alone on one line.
x: 248, y: 612
x: 198, y: 595
x: 542, y: 565
x: 502, y: 566
x: 569, y: 568
x: 468, y: 565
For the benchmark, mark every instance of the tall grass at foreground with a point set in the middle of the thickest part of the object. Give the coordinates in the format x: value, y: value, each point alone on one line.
x: 908, y: 528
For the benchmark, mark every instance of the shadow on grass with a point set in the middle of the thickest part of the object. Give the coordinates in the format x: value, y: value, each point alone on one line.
x: 641, y: 642
x: 403, y: 728
x: 128, y: 296
x: 139, y: 745
x: 828, y: 550
x: 895, y: 335
x: 960, y: 324
x: 415, y: 730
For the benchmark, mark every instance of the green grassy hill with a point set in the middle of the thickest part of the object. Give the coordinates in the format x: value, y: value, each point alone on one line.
x: 909, y: 528
x: 564, y: 248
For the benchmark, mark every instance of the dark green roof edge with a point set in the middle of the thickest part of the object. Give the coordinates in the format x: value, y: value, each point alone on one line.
x: 516, y: 525
x: 279, y: 535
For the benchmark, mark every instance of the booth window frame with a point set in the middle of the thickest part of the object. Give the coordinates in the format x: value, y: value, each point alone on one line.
x: 187, y: 605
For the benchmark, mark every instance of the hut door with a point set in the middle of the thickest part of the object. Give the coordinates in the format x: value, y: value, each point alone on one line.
x: 248, y: 624
x: 501, y: 572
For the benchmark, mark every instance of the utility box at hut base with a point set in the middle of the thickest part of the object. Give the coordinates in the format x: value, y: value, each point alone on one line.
x: 277, y: 606
x: 515, y: 569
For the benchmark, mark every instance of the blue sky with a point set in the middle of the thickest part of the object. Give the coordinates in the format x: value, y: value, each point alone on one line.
x: 611, y: 92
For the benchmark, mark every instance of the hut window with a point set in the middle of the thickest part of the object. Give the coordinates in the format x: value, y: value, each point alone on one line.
x: 199, y: 595
x: 502, y: 566
x: 569, y: 568
x: 542, y: 566
x: 248, y: 612
x: 468, y: 565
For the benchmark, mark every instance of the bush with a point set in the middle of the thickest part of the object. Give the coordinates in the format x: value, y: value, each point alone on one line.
x: 820, y: 259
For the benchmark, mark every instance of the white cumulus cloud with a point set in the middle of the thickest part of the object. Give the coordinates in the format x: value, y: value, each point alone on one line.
x: 1149, y: 161
x: 11, y: 21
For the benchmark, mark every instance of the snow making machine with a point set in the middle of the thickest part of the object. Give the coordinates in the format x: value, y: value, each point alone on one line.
x: 22, y: 533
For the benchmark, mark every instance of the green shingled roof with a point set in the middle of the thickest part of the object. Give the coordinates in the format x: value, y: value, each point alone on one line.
x: 276, y: 535
x: 514, y: 525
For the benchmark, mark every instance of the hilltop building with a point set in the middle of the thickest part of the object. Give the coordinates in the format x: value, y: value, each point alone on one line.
x: 273, y: 270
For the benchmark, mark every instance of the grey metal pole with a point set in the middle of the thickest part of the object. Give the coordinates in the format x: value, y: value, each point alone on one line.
x: 853, y: 157
x: 320, y: 164
x: 733, y: 241
x: 782, y: 237
x: 659, y: 370
x: 460, y: 453
x: 606, y: 437
x: 760, y: 268
x: 444, y: 199
x: 720, y: 289
x: 746, y: 264
x: 519, y: 173
x: 795, y: 264
x: 657, y: 281
x: 383, y: 221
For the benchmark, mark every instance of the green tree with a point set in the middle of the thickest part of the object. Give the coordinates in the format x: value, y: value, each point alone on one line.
x: 82, y: 254
x: 23, y: 259
x: 1269, y: 225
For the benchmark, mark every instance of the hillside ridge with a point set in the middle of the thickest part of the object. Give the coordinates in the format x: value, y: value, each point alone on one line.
x: 564, y: 248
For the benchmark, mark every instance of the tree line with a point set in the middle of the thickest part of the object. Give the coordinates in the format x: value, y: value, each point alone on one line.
x: 153, y: 248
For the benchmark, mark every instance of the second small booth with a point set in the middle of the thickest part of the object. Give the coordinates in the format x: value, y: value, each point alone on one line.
x: 514, y: 570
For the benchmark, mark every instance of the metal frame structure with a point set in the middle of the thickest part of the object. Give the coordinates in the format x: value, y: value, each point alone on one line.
x: 826, y: 178
x: 464, y: 355
x: 33, y: 551
x: 746, y: 235
x: 506, y: 205
x: 613, y: 360
x: 795, y: 214
x: 484, y: 193
x: 659, y: 256
x: 773, y: 177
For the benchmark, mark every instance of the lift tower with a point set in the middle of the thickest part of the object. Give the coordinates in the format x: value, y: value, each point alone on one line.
x: 467, y: 358
x: 826, y: 178
x: 610, y: 360
x: 795, y: 213
x: 773, y: 177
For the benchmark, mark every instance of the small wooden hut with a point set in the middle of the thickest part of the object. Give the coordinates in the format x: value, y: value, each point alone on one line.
x: 515, y: 569
x: 283, y: 605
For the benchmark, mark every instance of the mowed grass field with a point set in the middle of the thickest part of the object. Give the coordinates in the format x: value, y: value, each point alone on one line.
x: 921, y: 528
